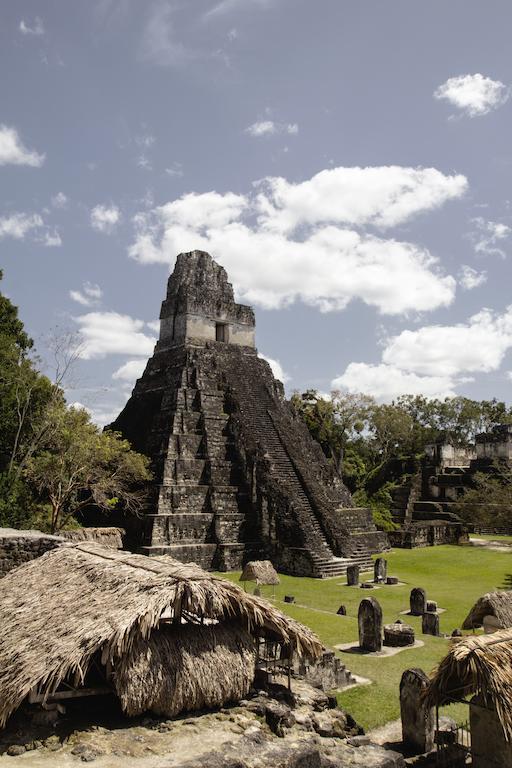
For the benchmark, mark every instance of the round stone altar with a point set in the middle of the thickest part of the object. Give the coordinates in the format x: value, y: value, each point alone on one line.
x: 397, y: 635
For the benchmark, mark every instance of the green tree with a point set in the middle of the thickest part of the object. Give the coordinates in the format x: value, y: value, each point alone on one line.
x: 391, y: 431
x: 489, y: 501
x: 333, y: 421
x: 24, y: 396
x: 76, y: 465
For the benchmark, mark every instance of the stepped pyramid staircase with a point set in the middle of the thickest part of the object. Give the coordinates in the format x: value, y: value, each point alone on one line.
x: 255, y: 406
x: 204, y: 513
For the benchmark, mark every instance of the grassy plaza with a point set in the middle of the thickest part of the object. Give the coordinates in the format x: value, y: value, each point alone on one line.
x: 453, y: 576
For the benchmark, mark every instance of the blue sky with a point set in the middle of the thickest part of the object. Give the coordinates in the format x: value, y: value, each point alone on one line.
x: 349, y: 163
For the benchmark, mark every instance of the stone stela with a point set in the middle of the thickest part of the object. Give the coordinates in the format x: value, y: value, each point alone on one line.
x: 418, y: 601
x: 237, y: 475
x: 369, y: 620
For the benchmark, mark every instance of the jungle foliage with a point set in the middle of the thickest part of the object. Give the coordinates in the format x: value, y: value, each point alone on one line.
x: 53, y: 460
x: 375, y: 447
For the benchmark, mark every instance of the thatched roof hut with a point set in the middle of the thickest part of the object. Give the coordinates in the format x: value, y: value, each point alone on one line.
x: 169, y: 636
x: 260, y: 571
x: 496, y: 604
x: 478, y: 664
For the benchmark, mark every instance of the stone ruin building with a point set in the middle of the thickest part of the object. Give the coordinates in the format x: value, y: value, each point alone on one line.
x: 237, y: 475
x: 424, y: 506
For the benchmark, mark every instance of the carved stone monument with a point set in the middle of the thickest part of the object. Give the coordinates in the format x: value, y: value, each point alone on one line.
x: 418, y: 721
x: 418, y: 601
x: 430, y: 624
x: 353, y: 575
x: 380, y: 570
x: 369, y: 620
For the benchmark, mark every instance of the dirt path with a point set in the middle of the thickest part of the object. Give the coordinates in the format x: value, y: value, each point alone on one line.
x: 494, y: 545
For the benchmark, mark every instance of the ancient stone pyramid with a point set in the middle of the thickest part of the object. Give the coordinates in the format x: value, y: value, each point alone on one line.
x: 237, y: 474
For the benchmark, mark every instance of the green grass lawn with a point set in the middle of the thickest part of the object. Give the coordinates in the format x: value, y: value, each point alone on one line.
x: 453, y: 576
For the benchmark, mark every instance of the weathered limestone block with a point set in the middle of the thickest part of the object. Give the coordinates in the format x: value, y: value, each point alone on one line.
x: 392, y: 580
x: 342, y: 610
x: 418, y: 721
x: 398, y: 635
x: 431, y: 606
x: 353, y: 575
x: 430, y: 624
x: 418, y: 601
x: 369, y: 619
x: 380, y: 570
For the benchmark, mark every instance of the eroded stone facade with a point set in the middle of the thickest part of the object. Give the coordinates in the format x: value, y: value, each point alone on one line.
x: 237, y: 474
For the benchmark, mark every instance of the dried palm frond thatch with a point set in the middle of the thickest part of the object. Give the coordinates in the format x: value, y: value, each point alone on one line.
x: 498, y: 604
x: 478, y: 664
x: 185, y: 668
x: 108, y: 536
x: 260, y: 571
x: 59, y: 610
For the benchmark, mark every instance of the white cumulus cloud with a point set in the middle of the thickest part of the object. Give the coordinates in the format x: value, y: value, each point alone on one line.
x: 386, y: 382
x: 89, y: 296
x: 470, y: 278
x: 289, y: 242
x: 36, y: 28
x: 435, y: 359
x: 110, y: 333
x: 270, y: 128
x: 130, y: 371
x: 51, y: 239
x: 474, y: 95
x: 17, y: 225
x: 14, y: 152
x: 479, y: 345
x: 105, y: 218
x: 489, y: 237
x: 383, y: 196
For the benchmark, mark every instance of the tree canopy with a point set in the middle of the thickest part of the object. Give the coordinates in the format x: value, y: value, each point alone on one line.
x: 373, y: 445
x: 53, y: 460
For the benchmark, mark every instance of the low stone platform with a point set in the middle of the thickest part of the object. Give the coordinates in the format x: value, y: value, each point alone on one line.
x: 354, y: 647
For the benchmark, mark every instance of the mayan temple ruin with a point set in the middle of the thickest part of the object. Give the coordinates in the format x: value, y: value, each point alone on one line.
x: 237, y: 475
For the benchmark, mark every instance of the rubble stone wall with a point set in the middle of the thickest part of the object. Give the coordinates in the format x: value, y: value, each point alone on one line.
x: 18, y: 547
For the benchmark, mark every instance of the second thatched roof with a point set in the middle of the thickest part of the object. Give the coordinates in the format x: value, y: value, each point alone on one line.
x: 478, y: 664
x: 59, y: 610
x: 260, y: 571
x: 107, y: 536
x: 498, y: 604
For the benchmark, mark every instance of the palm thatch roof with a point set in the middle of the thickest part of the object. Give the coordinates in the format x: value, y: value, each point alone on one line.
x: 58, y: 611
x: 184, y: 668
x: 260, y: 571
x: 478, y: 664
x: 498, y: 604
x: 108, y: 536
